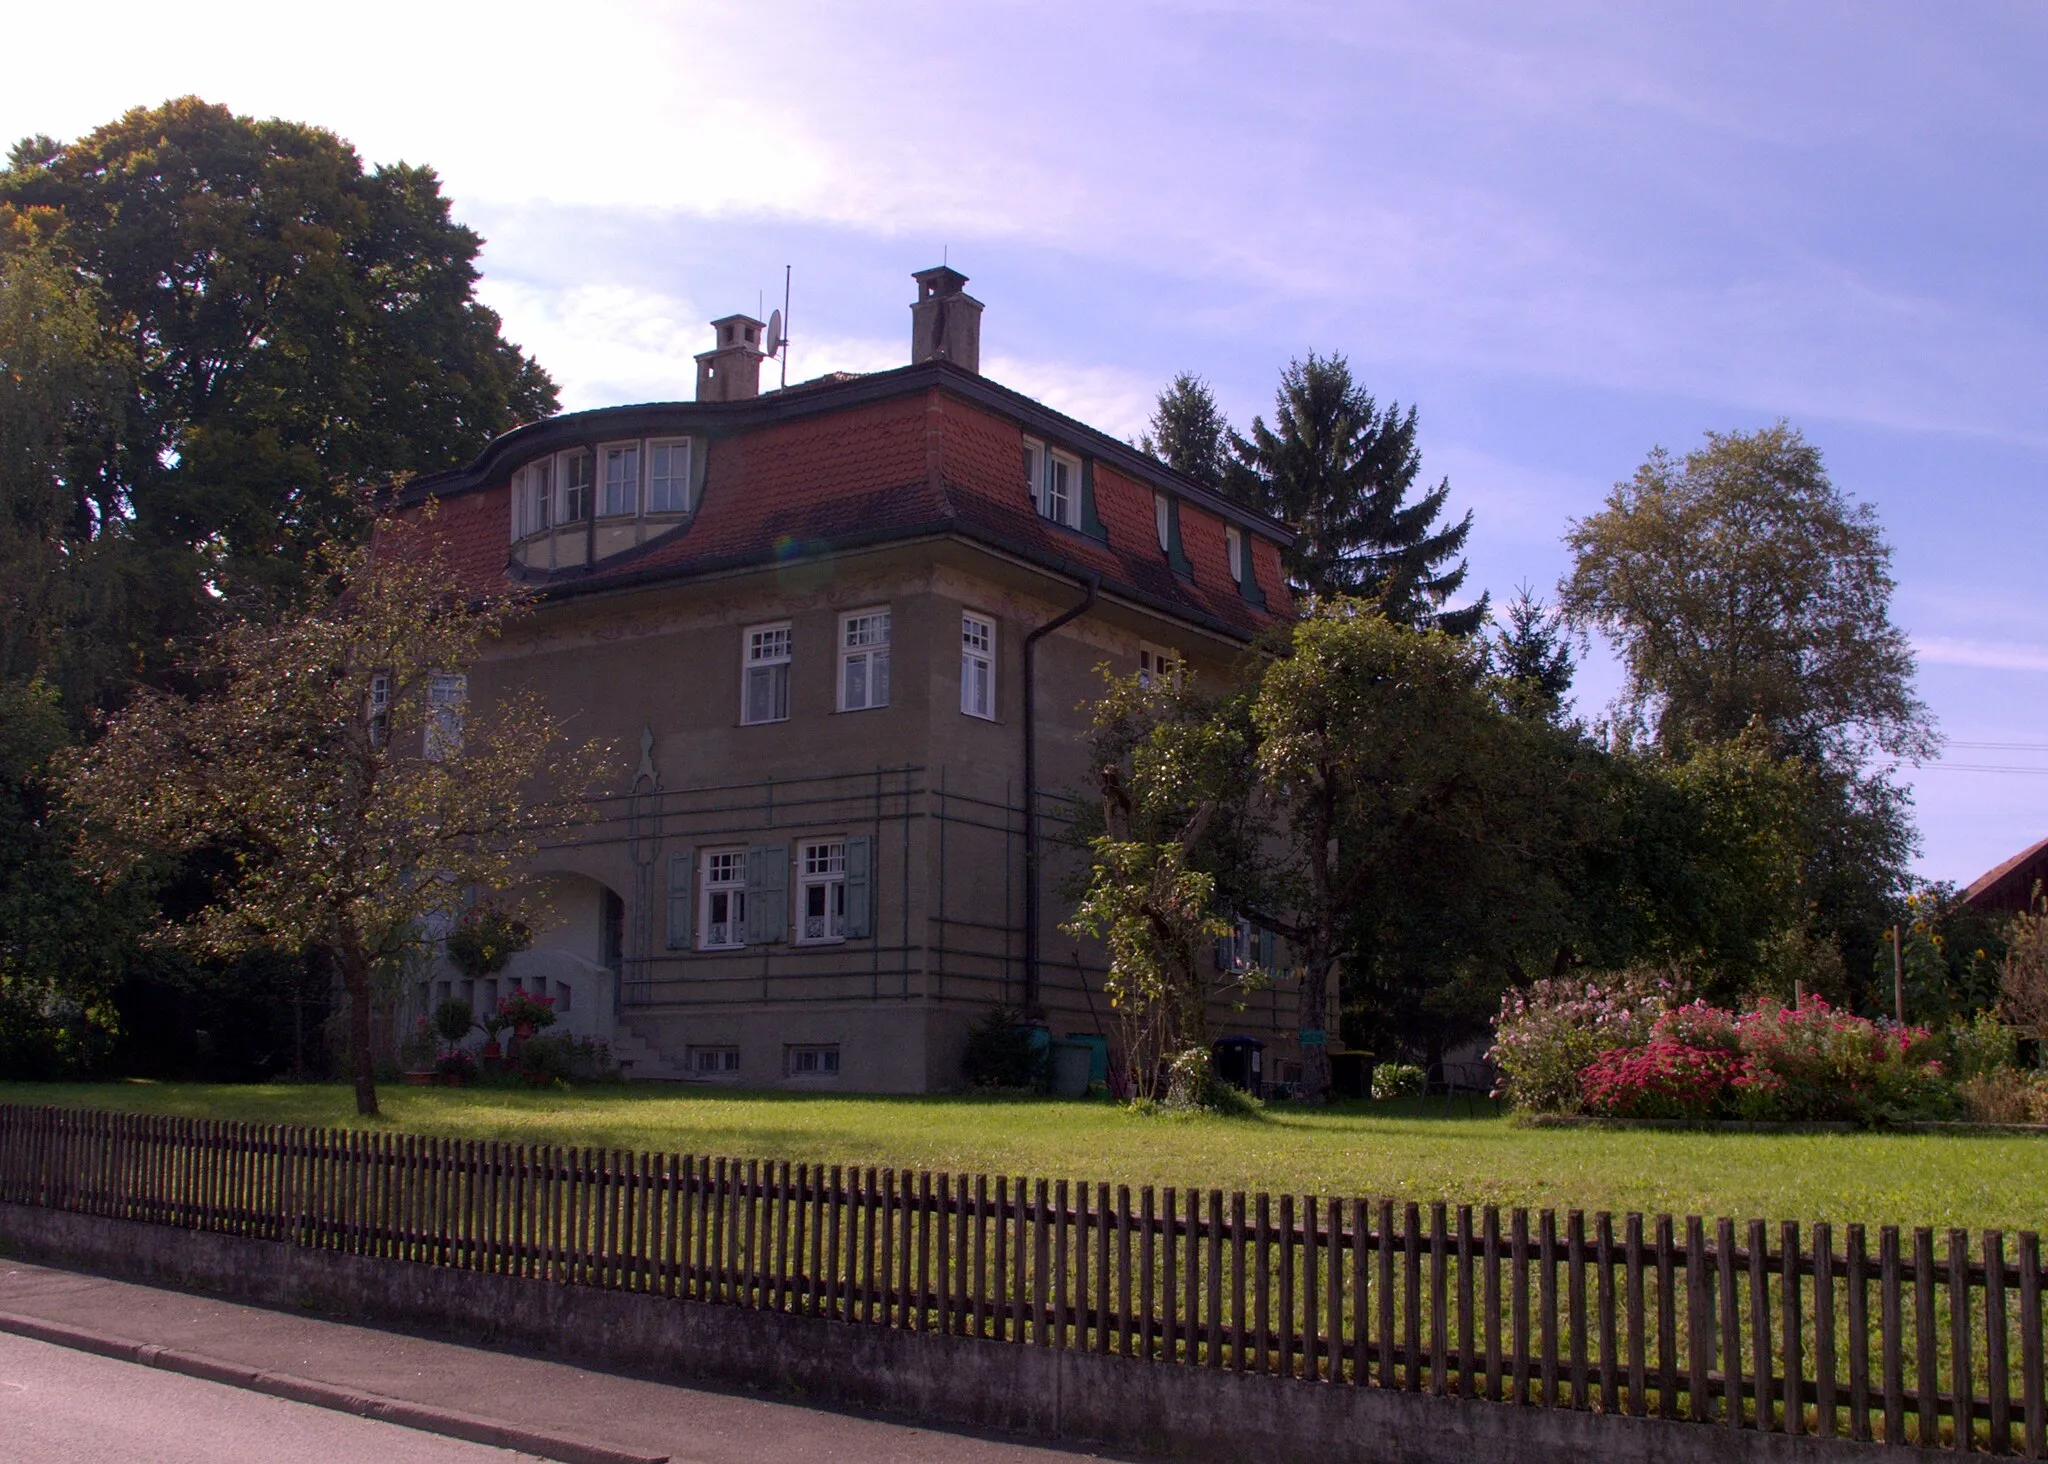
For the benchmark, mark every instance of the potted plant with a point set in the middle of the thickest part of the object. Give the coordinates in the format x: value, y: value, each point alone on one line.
x: 526, y: 1013
x: 455, y: 1066
x: 416, y: 1055
x: 453, y: 1019
x: 494, y: 1021
x: 484, y: 939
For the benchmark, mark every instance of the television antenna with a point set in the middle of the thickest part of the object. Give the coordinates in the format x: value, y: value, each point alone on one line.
x: 778, y: 328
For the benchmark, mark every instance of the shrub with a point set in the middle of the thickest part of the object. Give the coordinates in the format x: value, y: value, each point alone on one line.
x: 1696, y: 1024
x: 1815, y: 1062
x: 1002, y: 1052
x: 1981, y: 1046
x: 567, y: 1059
x: 2005, y: 1095
x: 484, y: 939
x: 521, y: 1008
x: 456, y: 1062
x: 1397, y: 1080
x: 1667, y: 1079
x: 452, y: 1019
x: 1548, y: 1034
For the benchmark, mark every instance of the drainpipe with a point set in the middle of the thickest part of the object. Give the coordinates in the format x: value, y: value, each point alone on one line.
x: 1033, y: 1011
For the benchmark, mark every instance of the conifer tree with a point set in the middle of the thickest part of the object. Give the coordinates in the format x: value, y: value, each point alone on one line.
x: 1342, y: 469
x: 1189, y: 432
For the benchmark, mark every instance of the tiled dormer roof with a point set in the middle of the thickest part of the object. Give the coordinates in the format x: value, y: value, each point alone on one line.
x: 924, y: 450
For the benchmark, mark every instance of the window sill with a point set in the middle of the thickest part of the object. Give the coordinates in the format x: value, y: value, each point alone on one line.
x: 719, y: 950
x: 771, y: 722
x: 829, y: 940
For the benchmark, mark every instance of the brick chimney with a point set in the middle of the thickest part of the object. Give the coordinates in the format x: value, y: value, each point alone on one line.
x: 731, y: 370
x: 945, y: 323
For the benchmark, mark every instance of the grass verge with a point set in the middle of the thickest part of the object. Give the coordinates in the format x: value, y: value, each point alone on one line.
x: 1409, y: 1150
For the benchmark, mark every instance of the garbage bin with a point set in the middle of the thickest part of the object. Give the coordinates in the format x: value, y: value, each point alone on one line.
x: 1240, y: 1062
x: 1098, y: 1047
x: 1071, y: 1064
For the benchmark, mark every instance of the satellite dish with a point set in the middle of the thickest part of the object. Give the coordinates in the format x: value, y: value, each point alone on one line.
x: 774, y: 331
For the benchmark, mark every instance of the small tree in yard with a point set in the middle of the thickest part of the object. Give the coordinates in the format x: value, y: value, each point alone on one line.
x: 333, y: 770
x: 1168, y: 767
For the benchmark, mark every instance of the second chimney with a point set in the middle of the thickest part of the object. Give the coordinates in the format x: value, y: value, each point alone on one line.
x: 731, y: 370
x: 945, y: 322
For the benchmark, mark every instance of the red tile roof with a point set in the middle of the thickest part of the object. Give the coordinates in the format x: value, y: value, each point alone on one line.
x: 925, y: 450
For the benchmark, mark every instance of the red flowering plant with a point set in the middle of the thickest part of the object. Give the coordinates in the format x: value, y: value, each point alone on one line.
x: 521, y: 1008
x: 1815, y: 1062
x: 1666, y: 1079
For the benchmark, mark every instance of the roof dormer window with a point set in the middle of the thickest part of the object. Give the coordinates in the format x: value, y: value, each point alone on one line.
x: 1233, y: 552
x: 1055, y: 480
x: 621, y: 493
x: 668, y: 476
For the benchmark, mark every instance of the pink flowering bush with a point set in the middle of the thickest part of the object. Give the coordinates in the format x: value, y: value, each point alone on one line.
x: 1666, y: 1079
x: 1547, y: 1034
x: 1818, y: 1062
x: 1637, y: 1049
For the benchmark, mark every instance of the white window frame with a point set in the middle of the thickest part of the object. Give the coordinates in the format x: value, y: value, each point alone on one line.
x: 864, y: 637
x: 575, y: 498
x: 978, y: 665
x: 447, y: 696
x: 713, y: 1060
x: 723, y: 874
x: 630, y: 490
x: 811, y: 1060
x: 1158, y: 664
x: 1233, y: 552
x: 533, y: 498
x: 821, y: 868
x: 1242, y: 946
x: 765, y: 652
x: 379, y: 712
x: 1162, y: 521
x: 675, y: 486
x: 1043, y: 463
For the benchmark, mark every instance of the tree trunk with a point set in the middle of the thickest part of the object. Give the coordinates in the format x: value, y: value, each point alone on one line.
x: 1315, y: 1049
x: 355, y: 979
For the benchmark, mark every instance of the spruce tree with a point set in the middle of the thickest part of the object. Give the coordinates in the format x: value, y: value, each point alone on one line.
x: 1188, y: 431
x: 1340, y: 469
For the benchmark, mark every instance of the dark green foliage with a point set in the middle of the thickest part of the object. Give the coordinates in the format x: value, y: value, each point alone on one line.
x: 1341, y: 469
x: 1532, y: 657
x: 1189, y: 432
x: 454, y: 1019
x: 1002, y: 1052
x: 566, y: 1060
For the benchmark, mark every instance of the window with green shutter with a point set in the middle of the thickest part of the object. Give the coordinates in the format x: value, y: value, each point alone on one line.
x: 767, y: 894
x: 860, y: 899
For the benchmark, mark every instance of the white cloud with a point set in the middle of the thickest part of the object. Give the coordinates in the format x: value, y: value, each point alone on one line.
x: 1993, y: 655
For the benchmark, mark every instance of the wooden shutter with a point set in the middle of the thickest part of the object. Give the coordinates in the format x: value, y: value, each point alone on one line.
x: 681, y: 901
x: 767, y: 894
x: 860, y: 899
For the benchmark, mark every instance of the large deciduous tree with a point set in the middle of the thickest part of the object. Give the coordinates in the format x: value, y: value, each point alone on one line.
x: 1342, y: 469
x: 332, y: 774
x: 1744, y: 590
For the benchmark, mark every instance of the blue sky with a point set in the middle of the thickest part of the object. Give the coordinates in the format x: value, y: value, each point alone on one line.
x: 1566, y: 234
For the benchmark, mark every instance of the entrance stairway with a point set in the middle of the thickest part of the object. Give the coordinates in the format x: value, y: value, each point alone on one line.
x: 639, y: 1060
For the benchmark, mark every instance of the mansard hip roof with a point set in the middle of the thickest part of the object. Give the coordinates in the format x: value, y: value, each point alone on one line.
x: 829, y: 394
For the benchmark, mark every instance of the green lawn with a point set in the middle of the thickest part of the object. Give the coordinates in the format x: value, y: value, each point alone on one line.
x: 1354, y: 1149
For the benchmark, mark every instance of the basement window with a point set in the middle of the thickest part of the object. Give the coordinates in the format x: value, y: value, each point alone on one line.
x: 714, y: 1062
x: 819, y: 1060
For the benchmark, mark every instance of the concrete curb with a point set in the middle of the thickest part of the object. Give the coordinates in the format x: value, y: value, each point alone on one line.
x: 468, y: 1427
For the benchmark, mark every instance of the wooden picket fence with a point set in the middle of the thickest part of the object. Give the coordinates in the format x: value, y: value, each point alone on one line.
x: 1780, y: 1328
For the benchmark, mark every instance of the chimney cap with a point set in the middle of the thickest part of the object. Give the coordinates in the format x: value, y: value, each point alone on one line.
x: 937, y: 281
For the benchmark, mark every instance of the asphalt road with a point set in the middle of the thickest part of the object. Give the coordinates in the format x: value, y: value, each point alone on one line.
x: 57, y: 1405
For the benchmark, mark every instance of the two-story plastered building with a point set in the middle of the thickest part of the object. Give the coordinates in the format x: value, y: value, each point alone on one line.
x: 844, y: 633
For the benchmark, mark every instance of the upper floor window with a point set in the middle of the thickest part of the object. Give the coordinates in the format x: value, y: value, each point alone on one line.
x: 1157, y: 666
x: 765, y: 674
x: 1162, y: 521
x: 533, y: 498
x: 668, y: 476
x: 1233, y: 552
x: 978, y: 665
x: 1055, y: 479
x: 863, y: 660
x: 447, y: 695
x: 724, y: 916
x: 380, y: 708
x: 821, y: 891
x: 621, y: 493
x: 576, y: 476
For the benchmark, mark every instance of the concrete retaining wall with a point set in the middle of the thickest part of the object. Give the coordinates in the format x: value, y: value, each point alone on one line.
x: 1186, y: 1412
